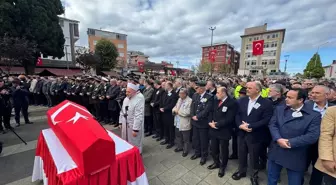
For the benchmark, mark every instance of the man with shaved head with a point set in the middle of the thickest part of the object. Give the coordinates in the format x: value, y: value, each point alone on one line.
x: 253, y: 116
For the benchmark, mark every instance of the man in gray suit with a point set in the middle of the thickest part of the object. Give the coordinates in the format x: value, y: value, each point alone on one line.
x: 147, y: 93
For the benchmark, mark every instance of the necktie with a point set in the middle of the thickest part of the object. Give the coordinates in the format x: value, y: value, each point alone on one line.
x: 220, y: 103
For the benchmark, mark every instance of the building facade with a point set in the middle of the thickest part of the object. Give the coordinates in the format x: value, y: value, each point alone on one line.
x: 330, y: 70
x: 134, y: 56
x: 225, y: 55
x: 270, y: 60
x: 71, y: 35
x: 118, y: 39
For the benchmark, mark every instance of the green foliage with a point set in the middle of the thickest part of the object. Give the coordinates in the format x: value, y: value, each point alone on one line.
x: 314, y: 67
x: 15, y: 50
x: 205, y: 67
x: 107, y: 53
x: 37, y: 21
x: 86, y: 59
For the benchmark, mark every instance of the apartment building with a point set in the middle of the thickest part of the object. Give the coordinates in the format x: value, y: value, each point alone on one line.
x: 270, y: 60
x: 118, y: 39
x: 225, y: 54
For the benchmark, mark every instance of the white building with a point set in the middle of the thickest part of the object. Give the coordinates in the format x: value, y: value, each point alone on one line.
x: 330, y: 70
x: 71, y: 35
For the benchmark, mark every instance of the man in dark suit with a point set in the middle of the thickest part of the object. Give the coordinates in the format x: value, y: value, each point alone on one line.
x: 294, y: 128
x: 319, y: 103
x: 221, y: 123
x: 167, y: 104
x: 211, y: 88
x: 113, y: 107
x: 252, y: 118
x: 201, y: 108
x: 148, y: 94
x: 155, y: 103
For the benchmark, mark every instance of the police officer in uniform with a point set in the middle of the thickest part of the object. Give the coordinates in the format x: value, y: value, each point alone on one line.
x: 95, y: 98
x: 77, y: 91
x: 200, y: 111
x: 83, y: 96
x: 155, y: 103
x: 103, y: 101
x: 91, y: 87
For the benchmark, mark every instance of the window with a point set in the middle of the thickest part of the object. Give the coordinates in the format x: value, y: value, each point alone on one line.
x: 273, y: 35
x: 248, y: 46
x: 273, y: 71
x: 61, y: 22
x: 121, y: 54
x: 264, y: 62
x: 274, y: 53
x: 254, y: 62
x: 206, y: 54
x: 247, y: 55
x: 247, y: 63
x: 76, y: 31
x: 276, y: 35
x: 275, y: 44
x: 266, y: 45
x: 120, y: 45
x: 250, y: 39
x: 268, y: 36
x: 272, y: 62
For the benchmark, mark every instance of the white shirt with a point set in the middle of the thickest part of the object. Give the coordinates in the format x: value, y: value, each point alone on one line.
x: 202, y: 95
x: 297, y: 110
x: 251, y: 104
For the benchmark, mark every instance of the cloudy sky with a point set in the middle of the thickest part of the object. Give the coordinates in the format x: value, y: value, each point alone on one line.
x: 174, y: 30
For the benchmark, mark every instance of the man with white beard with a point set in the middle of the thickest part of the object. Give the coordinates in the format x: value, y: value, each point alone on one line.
x: 132, y: 116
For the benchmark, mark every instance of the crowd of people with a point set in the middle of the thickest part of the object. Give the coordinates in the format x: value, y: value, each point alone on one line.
x: 279, y: 124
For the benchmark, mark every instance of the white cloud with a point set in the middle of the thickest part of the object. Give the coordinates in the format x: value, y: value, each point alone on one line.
x: 174, y: 30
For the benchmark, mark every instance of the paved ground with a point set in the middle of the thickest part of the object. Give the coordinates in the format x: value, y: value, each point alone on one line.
x: 163, y: 167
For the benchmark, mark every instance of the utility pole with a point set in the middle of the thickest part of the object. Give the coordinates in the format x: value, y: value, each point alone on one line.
x: 212, y: 30
x: 286, y: 57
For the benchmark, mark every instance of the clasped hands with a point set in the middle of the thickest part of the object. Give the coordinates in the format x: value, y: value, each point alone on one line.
x: 213, y: 125
x: 244, y: 126
x: 283, y: 143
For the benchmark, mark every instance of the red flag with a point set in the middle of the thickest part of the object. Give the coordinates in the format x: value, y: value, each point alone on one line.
x: 141, y: 66
x: 39, y: 61
x: 212, y: 55
x: 229, y: 61
x: 258, y: 47
x: 172, y: 73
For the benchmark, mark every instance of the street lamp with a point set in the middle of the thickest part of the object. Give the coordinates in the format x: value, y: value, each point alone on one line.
x: 212, y: 30
x: 287, y: 57
x: 318, y: 48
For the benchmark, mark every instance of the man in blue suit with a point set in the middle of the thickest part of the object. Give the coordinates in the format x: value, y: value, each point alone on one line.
x: 253, y: 116
x: 294, y: 128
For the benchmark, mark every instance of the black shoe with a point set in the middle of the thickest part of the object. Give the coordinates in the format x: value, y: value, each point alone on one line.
x: 254, y: 180
x: 159, y: 139
x: 178, y: 150
x: 163, y: 143
x: 148, y: 134
x: 237, y: 176
x: 195, y: 156
x: 233, y: 157
x: 203, y: 161
x: 221, y: 172
x: 29, y: 123
x: 213, y: 166
x: 184, y: 154
x: 169, y: 146
x: 155, y: 136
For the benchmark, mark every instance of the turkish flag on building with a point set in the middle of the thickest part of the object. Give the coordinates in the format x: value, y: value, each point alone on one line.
x: 39, y: 61
x: 229, y: 61
x: 82, y: 136
x: 141, y: 66
x: 212, y: 55
x: 172, y: 72
x: 258, y: 47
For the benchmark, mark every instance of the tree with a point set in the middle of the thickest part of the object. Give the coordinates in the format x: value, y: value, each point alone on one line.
x: 204, y: 67
x: 107, y: 53
x: 223, y: 68
x: 37, y: 21
x: 15, y: 50
x: 86, y: 59
x: 314, y: 67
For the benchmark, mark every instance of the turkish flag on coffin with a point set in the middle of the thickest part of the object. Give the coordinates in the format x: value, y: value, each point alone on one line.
x: 86, y: 141
x: 258, y: 47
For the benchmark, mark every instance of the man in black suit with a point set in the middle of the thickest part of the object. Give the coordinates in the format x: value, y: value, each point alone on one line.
x: 221, y: 123
x: 113, y: 107
x: 211, y: 88
x: 167, y: 104
x: 155, y: 103
x: 201, y: 108
x: 253, y: 116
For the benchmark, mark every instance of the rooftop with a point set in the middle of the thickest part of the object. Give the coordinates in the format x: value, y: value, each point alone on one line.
x: 66, y: 19
x: 105, y: 31
x: 265, y: 32
x: 217, y: 44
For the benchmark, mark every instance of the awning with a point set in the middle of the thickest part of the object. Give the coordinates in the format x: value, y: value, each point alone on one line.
x: 57, y: 72
x: 13, y: 70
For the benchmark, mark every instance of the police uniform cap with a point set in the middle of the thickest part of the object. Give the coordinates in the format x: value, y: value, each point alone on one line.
x: 201, y: 83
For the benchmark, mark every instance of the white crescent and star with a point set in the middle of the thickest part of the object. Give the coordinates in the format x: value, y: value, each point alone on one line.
x: 75, y: 118
x: 258, y: 46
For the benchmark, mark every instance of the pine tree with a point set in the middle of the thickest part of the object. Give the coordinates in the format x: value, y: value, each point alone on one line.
x: 38, y: 22
x: 314, y: 67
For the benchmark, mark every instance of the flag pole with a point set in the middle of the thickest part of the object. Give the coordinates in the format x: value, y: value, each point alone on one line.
x: 212, y: 30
